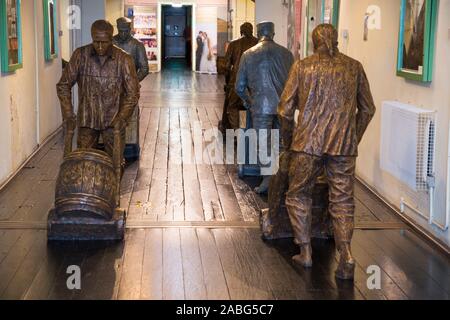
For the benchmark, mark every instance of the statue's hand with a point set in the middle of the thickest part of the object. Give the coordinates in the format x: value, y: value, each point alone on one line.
x: 118, y: 123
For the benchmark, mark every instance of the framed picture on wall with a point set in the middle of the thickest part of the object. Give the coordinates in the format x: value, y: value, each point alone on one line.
x: 318, y: 12
x: 50, y: 31
x: 416, y: 39
x: 10, y: 36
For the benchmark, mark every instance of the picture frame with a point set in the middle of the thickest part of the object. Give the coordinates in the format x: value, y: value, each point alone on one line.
x: 50, y: 29
x: 317, y: 12
x: 416, y: 43
x: 10, y: 36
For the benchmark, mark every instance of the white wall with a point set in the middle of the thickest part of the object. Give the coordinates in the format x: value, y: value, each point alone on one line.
x: 379, y: 56
x: 26, y: 117
x: 49, y: 73
x: 243, y: 11
x: 114, y: 10
x: 274, y: 11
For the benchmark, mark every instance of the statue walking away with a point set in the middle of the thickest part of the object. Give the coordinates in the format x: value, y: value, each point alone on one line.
x: 332, y: 94
x: 263, y: 72
x: 233, y: 103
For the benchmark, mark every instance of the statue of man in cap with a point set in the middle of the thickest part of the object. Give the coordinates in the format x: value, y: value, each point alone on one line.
x: 108, y: 90
x: 263, y: 72
x: 132, y: 46
x: 230, y: 117
x: 136, y: 49
x: 332, y: 94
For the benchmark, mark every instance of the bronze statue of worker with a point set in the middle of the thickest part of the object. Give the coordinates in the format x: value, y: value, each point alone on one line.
x: 263, y: 72
x: 136, y: 49
x: 108, y: 89
x: 233, y: 103
x: 132, y: 46
x: 335, y: 104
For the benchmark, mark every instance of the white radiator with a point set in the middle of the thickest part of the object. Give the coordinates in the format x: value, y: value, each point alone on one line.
x: 408, y: 144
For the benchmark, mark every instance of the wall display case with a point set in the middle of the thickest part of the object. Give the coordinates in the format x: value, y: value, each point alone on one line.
x: 318, y: 12
x: 145, y: 29
x: 50, y: 30
x: 416, y: 39
x: 10, y: 36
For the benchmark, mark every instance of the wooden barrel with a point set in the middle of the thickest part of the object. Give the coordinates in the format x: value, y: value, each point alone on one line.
x: 86, y: 185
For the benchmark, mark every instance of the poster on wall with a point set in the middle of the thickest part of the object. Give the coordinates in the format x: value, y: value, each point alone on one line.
x: 10, y: 35
x: 145, y: 30
x: 50, y: 31
x: 206, y: 40
x: 417, y: 39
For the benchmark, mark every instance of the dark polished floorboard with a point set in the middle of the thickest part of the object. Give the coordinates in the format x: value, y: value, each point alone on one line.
x: 223, y: 256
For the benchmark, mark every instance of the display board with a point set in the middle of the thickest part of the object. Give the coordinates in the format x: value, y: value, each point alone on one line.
x: 145, y: 29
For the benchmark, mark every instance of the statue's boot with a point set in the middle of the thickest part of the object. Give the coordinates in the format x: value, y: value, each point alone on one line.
x: 264, y: 186
x: 346, y: 267
x: 305, y: 257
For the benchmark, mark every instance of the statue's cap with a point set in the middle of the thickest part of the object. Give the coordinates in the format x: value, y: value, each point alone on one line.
x: 266, y: 28
x: 123, y: 22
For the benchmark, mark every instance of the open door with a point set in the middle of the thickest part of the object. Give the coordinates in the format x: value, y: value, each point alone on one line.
x: 318, y: 12
x: 176, y: 35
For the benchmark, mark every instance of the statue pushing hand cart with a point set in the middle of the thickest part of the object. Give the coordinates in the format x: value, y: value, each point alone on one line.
x: 88, y: 186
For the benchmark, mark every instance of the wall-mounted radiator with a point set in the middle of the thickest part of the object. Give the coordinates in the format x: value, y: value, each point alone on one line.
x: 408, y: 144
x: 408, y: 136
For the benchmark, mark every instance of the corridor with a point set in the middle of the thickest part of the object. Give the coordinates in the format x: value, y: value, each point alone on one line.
x: 193, y: 229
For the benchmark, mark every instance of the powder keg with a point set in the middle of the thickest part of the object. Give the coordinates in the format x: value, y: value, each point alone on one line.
x: 86, y: 185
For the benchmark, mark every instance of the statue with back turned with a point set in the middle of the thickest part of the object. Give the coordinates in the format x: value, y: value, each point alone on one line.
x: 263, y: 72
x: 233, y: 103
x: 332, y: 95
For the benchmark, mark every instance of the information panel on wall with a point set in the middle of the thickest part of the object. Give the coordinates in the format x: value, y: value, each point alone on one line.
x: 145, y: 26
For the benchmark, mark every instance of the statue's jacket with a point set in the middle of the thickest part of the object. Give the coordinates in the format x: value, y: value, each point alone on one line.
x: 332, y: 95
x: 104, y: 91
x: 263, y: 72
x: 136, y: 50
x: 234, y: 54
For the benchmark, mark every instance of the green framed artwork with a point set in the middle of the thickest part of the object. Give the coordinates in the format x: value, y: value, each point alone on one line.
x: 317, y: 12
x: 10, y: 36
x: 417, y: 39
x: 50, y: 31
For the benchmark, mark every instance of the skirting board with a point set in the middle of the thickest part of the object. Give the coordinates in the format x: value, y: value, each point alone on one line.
x: 441, y: 246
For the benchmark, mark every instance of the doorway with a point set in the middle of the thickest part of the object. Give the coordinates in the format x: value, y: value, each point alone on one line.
x: 176, y: 42
x: 317, y: 12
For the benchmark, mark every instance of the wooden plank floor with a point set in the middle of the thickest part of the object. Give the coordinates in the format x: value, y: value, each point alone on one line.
x: 194, y: 225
